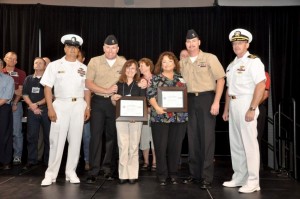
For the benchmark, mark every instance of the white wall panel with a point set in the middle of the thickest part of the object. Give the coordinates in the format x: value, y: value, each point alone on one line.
x: 118, y: 3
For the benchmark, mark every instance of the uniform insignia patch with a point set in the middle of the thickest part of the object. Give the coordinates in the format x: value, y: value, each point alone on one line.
x: 81, y: 72
x: 241, y: 69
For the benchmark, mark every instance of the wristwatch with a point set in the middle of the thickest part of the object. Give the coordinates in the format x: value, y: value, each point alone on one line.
x: 251, y: 108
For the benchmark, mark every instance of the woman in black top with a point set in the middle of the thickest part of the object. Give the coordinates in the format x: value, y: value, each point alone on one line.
x: 128, y: 133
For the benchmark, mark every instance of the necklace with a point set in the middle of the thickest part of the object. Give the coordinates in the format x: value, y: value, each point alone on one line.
x: 129, y: 90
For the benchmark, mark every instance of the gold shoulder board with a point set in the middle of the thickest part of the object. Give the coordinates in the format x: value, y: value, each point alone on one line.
x: 252, y: 56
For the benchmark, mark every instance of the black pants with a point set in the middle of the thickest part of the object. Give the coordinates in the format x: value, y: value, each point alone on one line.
x: 6, y: 133
x: 33, y: 129
x: 167, y: 138
x: 103, y: 119
x: 201, y: 136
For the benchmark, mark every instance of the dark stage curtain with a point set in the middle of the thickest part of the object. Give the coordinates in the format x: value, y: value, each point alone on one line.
x: 19, y: 33
x: 148, y: 32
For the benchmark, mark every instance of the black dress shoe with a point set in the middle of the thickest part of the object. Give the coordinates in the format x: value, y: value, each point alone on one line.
x: 191, y: 180
x: 28, y: 166
x: 162, y: 182
x: 205, y: 185
x: 6, y: 167
x: 109, y: 176
x: 173, y: 181
x: 122, y: 181
x: 91, y: 179
x: 132, y: 181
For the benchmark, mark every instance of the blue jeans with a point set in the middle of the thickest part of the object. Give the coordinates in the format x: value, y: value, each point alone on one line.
x: 86, y: 136
x: 17, y: 133
x: 33, y: 129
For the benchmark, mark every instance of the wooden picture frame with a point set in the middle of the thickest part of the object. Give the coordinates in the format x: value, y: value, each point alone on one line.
x: 174, y: 99
x: 131, y: 108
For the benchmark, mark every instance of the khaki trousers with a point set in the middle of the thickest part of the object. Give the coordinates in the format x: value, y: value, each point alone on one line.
x: 128, y: 134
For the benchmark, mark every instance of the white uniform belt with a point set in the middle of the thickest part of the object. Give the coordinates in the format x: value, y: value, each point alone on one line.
x: 70, y: 99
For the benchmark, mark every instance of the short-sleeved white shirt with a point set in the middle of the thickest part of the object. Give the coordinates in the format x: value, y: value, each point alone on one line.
x: 243, y: 74
x: 68, y: 78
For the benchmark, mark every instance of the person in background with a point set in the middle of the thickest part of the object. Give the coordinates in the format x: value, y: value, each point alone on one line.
x: 68, y: 111
x: 33, y: 95
x: 245, y: 87
x: 6, y: 119
x: 86, y: 134
x: 168, y: 128
x: 146, y: 67
x: 41, y: 145
x: 261, y: 119
x: 102, y: 75
x: 19, y: 76
x: 128, y: 132
x: 204, y: 76
x: 47, y: 60
x: 183, y: 54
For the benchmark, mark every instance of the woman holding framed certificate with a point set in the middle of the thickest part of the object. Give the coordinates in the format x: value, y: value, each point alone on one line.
x: 168, y: 127
x: 128, y: 132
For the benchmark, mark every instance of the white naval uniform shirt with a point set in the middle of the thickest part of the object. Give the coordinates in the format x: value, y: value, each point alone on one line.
x: 243, y: 74
x: 66, y: 79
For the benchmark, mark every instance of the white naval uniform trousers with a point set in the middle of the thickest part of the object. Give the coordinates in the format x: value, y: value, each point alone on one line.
x: 69, y: 125
x: 128, y: 134
x: 243, y: 142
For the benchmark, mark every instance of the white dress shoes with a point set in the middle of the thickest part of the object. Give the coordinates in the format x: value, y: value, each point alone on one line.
x: 47, y: 181
x: 232, y: 184
x: 249, y: 188
x: 73, y: 179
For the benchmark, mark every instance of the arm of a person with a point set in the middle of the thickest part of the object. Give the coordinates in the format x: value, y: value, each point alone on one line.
x: 114, y: 98
x: 87, y: 98
x: 219, y: 91
x: 15, y: 102
x: 98, y: 89
x: 48, y: 96
x: 257, y: 96
x: 226, y: 107
x: 265, y: 96
x: 143, y: 83
x: 157, y: 108
x: 32, y: 106
x: 3, y: 101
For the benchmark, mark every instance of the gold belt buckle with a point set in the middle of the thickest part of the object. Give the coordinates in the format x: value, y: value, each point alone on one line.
x: 74, y: 99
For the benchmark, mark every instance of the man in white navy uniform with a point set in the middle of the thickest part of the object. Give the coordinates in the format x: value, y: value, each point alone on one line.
x: 69, y: 110
x: 245, y: 87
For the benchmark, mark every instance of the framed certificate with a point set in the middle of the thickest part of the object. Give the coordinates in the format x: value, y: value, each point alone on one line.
x: 174, y: 99
x: 131, y: 108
